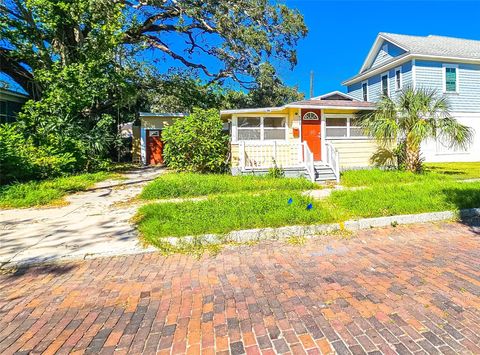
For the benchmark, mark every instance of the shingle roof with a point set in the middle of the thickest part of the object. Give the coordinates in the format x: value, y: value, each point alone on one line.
x: 436, y: 45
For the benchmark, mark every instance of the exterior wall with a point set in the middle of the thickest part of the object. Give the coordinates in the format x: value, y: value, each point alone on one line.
x: 354, y: 153
x: 293, y: 115
x: 384, y: 56
x: 433, y: 152
x: 429, y: 74
x: 374, y: 85
x: 136, y: 153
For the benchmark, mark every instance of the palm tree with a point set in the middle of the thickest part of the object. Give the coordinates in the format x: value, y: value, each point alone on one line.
x: 411, y: 118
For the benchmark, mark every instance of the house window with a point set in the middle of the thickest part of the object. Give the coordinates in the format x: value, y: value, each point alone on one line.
x: 310, y: 116
x: 343, y: 127
x: 384, y: 84
x: 365, y: 91
x: 398, y: 79
x: 261, y: 128
x: 273, y: 128
x: 451, y: 79
x: 249, y: 128
x: 354, y: 128
x: 336, y: 127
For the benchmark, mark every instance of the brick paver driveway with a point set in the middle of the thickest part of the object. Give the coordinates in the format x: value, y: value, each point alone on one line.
x: 394, y: 290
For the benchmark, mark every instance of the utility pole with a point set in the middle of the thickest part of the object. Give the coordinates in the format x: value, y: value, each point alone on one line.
x: 311, y: 84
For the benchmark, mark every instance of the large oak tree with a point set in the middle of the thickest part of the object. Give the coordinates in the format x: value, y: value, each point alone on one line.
x: 223, y: 39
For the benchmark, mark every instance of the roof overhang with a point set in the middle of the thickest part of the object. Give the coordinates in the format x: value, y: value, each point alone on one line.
x: 326, y: 107
x: 406, y: 58
x: 251, y: 110
x: 336, y: 92
x: 164, y: 115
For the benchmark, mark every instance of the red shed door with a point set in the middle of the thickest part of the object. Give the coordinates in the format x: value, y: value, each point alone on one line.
x: 311, y: 132
x: 154, y: 147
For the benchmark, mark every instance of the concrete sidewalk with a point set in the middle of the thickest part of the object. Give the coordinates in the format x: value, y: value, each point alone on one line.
x: 94, y: 222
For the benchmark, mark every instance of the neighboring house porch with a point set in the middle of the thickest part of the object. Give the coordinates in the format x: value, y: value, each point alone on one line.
x: 316, y: 138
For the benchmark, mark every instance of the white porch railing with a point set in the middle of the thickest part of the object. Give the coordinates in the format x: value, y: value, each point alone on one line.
x: 333, y: 159
x: 309, y: 161
x: 264, y: 155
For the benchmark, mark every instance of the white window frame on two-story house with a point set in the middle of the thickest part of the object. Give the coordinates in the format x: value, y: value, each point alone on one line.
x: 399, y: 80
x: 381, y: 84
x: 365, y: 93
x: 444, y: 78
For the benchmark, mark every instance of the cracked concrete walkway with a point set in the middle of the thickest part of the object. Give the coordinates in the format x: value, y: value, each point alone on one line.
x: 94, y: 222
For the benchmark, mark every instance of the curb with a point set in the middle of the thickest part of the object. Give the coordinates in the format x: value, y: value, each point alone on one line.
x: 255, y: 235
x: 261, y: 234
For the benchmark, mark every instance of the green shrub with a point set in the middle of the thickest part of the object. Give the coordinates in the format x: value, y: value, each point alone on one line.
x: 276, y: 172
x: 21, y: 160
x: 197, y: 143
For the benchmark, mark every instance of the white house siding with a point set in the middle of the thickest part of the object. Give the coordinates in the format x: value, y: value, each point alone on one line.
x: 433, y: 152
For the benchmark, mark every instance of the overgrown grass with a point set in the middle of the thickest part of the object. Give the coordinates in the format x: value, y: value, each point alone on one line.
x: 394, y: 199
x: 175, y: 185
x: 433, y: 172
x: 244, y: 202
x: 39, y: 193
x: 456, y: 170
x: 222, y: 214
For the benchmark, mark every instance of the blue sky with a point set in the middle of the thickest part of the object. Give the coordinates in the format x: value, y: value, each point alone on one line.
x: 342, y: 32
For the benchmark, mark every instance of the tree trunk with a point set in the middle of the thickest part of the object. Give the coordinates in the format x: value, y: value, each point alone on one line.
x: 412, y: 160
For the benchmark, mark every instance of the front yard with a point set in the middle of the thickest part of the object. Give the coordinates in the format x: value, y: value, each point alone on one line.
x: 224, y: 203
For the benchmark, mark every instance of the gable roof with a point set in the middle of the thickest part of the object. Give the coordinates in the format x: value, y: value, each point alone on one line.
x: 334, y: 95
x: 437, y: 45
x: 431, y: 46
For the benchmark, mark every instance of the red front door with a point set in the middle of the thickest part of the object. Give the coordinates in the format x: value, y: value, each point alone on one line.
x: 311, y: 131
x: 154, y: 147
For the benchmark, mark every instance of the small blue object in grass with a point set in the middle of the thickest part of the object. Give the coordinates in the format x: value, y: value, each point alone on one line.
x: 290, y: 201
x: 309, y: 207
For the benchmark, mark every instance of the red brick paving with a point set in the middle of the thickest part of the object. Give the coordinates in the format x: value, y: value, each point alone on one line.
x: 399, y: 290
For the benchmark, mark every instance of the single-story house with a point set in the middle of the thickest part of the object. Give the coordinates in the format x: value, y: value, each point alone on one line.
x: 317, y: 137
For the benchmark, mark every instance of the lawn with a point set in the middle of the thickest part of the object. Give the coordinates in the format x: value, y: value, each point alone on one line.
x: 175, y: 185
x: 433, y: 171
x: 47, y: 192
x: 222, y: 214
x: 244, y: 202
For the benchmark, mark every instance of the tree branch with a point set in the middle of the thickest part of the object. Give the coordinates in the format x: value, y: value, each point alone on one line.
x: 19, y: 74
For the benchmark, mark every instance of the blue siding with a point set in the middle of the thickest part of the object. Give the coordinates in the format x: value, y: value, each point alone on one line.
x: 374, y: 86
x: 355, y: 90
x: 429, y: 75
x: 384, y: 56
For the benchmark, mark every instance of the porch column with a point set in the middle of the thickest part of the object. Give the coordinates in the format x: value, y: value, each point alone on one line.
x: 323, y: 135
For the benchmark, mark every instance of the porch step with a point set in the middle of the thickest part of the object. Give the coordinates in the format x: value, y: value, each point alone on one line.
x: 324, y: 173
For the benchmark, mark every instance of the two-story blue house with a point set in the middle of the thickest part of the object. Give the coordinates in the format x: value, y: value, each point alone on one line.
x: 451, y: 66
